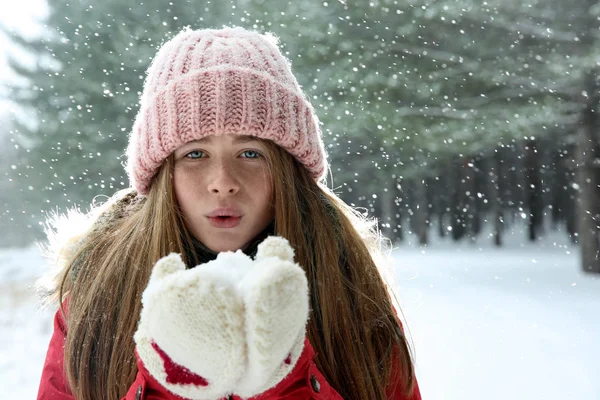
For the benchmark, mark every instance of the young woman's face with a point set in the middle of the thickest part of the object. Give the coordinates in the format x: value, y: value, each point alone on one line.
x: 223, y: 188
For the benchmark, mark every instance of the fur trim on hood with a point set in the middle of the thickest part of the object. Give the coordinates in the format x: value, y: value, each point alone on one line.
x: 66, y: 233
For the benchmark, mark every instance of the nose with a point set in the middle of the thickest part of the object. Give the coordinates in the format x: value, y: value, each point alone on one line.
x: 224, y: 180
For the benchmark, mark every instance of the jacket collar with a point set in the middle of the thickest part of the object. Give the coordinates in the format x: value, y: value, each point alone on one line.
x: 204, y: 254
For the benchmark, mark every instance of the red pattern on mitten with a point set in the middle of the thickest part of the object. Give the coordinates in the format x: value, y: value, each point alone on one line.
x: 178, y: 374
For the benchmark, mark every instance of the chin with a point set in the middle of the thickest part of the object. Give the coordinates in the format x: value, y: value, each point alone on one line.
x: 221, y: 247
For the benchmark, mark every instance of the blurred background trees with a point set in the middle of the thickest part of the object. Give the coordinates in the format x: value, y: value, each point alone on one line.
x: 454, y: 118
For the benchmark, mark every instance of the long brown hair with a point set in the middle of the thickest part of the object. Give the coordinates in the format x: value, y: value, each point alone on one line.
x: 353, y: 327
x: 360, y: 347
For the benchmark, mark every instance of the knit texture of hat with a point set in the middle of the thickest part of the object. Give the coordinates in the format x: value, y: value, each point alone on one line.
x: 219, y: 82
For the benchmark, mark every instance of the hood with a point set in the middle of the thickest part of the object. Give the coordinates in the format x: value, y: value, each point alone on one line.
x: 65, y: 234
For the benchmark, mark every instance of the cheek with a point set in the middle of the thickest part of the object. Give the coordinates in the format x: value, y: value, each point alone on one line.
x: 254, y: 176
x: 183, y: 187
x: 263, y: 187
x: 257, y: 183
x: 178, y: 184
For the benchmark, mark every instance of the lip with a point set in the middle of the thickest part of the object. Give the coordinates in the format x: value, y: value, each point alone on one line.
x: 224, y: 212
x: 215, y: 217
x: 229, y: 222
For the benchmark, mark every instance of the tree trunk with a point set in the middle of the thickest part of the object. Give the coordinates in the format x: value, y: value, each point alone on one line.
x: 457, y: 219
x: 515, y: 179
x: 559, y: 187
x: 388, y: 210
x: 495, y: 200
x: 479, y: 193
x: 589, y: 195
x: 421, y: 211
x: 400, y: 207
x: 533, y: 188
x: 469, y: 197
x: 572, y: 193
x: 441, y: 202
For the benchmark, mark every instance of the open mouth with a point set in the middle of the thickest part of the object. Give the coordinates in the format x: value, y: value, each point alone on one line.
x: 224, y: 221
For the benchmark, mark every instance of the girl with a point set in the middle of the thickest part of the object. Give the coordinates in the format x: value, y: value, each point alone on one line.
x: 225, y: 156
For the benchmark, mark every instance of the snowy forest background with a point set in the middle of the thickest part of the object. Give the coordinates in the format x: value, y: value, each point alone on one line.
x: 470, y: 129
x: 440, y: 117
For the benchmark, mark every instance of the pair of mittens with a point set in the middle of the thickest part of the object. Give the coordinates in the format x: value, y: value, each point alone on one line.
x: 230, y: 326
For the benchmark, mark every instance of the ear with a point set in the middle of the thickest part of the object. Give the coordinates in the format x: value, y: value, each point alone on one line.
x: 166, y: 266
x: 275, y: 246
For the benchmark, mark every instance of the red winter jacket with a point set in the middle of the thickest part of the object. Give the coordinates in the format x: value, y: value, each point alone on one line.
x: 304, y: 382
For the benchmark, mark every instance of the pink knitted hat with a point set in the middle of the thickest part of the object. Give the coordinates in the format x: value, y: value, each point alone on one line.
x: 218, y: 82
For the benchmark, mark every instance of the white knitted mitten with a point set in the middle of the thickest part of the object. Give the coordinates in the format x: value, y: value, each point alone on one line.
x: 275, y: 295
x: 232, y: 325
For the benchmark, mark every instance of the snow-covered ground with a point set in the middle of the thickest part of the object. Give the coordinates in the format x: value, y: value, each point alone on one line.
x: 521, y: 322
x: 24, y: 329
x: 515, y: 323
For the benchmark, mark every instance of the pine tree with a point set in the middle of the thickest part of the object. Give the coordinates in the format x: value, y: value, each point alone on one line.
x: 83, y: 92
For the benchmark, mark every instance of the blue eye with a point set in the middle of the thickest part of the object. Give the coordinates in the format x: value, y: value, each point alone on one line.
x: 251, y: 154
x: 195, y: 154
